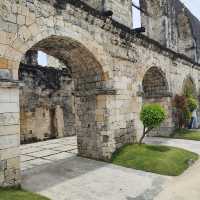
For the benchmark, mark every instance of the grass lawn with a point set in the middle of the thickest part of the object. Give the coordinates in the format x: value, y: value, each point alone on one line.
x: 18, y: 194
x: 153, y: 158
x: 186, y: 134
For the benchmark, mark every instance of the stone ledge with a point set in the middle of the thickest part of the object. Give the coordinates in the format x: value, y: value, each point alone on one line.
x: 77, y: 93
x: 8, y: 83
x: 158, y: 95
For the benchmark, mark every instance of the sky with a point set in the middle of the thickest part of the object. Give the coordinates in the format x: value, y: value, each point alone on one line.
x: 194, y: 6
x: 42, y: 58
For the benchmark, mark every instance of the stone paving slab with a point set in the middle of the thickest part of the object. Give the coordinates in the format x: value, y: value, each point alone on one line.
x: 37, y: 154
x: 59, y: 156
x: 64, y: 148
x: 28, y: 150
x: 24, y: 158
x: 43, y: 153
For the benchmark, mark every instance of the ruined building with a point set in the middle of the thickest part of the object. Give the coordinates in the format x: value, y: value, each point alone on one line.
x: 171, y: 24
x: 105, y: 71
x: 46, y: 101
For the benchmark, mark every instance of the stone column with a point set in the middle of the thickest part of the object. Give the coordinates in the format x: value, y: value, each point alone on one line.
x: 9, y: 133
x: 137, y: 106
x: 59, y: 121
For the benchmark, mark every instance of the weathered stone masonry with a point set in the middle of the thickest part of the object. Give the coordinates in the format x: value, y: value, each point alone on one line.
x: 108, y: 64
x: 46, y: 103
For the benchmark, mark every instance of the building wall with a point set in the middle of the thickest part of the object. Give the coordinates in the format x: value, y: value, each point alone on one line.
x: 46, y: 103
x: 173, y: 25
x: 122, y: 9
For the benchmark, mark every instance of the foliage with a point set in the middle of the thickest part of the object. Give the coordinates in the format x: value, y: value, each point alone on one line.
x: 152, y: 115
x: 154, y: 158
x: 192, y: 104
x: 18, y: 194
x: 183, y: 106
x: 189, y: 88
x: 182, y: 114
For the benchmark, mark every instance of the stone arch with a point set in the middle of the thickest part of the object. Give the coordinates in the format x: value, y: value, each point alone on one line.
x: 155, y: 83
x: 156, y: 90
x: 189, y: 87
x: 89, y: 85
x: 16, y: 49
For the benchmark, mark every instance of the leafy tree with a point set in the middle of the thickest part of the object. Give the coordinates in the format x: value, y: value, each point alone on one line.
x: 192, y: 104
x: 182, y: 113
x: 184, y: 106
x: 151, y: 115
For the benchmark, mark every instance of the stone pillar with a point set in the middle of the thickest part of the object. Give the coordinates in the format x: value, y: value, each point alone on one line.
x: 9, y: 134
x: 59, y: 121
x: 137, y: 106
x: 94, y: 131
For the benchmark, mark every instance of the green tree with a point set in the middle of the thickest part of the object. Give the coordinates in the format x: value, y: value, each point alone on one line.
x: 192, y: 104
x: 151, y: 115
x: 181, y: 113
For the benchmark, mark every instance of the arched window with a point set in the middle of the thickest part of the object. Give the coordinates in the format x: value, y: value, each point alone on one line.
x: 155, y: 84
x: 189, y: 88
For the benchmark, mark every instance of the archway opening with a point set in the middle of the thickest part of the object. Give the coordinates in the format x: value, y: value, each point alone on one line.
x: 155, y: 84
x: 59, y: 100
x: 189, y: 88
x: 156, y: 90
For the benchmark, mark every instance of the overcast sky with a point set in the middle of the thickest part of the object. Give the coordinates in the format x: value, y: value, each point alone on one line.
x: 194, y: 6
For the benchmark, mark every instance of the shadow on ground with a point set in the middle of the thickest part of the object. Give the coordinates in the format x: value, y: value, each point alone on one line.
x: 56, y: 172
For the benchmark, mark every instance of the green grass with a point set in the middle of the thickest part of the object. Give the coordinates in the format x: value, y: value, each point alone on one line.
x: 186, y: 134
x: 153, y: 158
x: 18, y: 194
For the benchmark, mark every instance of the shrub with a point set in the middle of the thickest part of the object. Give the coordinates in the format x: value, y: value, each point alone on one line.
x: 192, y: 104
x: 152, y: 115
x: 181, y: 112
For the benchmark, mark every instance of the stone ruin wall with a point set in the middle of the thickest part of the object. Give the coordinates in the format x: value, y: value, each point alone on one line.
x: 173, y: 25
x: 122, y: 9
x: 124, y: 57
x: 46, y: 103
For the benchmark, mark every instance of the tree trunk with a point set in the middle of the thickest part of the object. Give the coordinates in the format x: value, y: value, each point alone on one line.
x: 143, y: 136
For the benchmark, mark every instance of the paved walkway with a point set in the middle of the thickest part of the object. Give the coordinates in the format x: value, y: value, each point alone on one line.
x: 186, y: 186
x: 190, y: 145
x: 52, y: 168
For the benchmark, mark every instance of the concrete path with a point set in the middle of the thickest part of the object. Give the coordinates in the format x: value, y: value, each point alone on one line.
x: 187, y: 185
x: 189, y: 145
x: 184, y: 187
x: 52, y: 169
